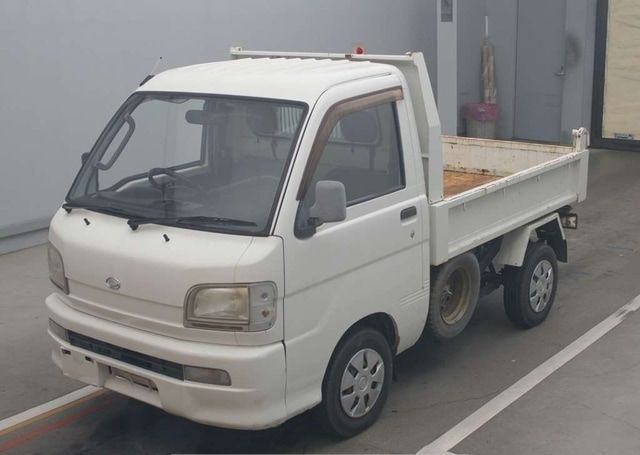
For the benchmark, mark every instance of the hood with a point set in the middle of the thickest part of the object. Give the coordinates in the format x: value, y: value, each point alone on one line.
x: 150, y: 274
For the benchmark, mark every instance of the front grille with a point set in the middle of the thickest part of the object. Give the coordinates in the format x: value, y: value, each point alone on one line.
x: 144, y: 361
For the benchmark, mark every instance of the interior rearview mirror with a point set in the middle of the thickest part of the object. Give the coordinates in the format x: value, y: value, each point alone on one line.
x: 197, y: 117
x: 331, y: 203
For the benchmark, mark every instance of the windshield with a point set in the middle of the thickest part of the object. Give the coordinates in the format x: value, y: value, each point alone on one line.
x: 204, y: 162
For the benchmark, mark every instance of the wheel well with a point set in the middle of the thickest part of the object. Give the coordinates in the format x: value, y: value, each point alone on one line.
x: 381, y: 322
x: 515, y: 243
x: 552, y: 234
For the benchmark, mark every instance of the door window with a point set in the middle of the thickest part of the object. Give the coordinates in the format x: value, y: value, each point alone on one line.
x: 362, y: 152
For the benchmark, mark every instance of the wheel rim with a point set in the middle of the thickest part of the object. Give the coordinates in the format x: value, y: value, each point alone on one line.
x: 361, y: 383
x: 541, y: 286
x: 454, y: 300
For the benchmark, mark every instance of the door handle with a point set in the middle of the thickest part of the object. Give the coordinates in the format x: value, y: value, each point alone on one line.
x: 562, y: 72
x: 409, y: 212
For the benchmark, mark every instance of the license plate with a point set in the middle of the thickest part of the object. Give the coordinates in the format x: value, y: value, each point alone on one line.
x: 133, y: 378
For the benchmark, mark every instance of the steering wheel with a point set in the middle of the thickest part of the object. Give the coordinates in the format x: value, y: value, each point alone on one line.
x: 178, y: 178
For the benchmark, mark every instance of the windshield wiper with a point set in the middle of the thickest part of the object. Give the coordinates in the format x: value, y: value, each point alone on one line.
x: 68, y: 206
x: 135, y: 222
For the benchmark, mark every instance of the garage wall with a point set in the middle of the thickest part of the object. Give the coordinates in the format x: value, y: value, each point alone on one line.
x: 502, y: 33
x: 67, y: 65
x: 503, y: 27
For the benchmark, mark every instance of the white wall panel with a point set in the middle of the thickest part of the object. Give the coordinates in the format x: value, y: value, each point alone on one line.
x: 621, y: 110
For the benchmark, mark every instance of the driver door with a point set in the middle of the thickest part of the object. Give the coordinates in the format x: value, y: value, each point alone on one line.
x: 372, y: 261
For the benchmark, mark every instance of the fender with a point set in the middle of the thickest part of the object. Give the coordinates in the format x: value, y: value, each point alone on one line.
x: 514, y: 244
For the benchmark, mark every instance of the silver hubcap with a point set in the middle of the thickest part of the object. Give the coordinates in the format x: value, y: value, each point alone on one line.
x: 361, y: 382
x: 541, y: 286
x: 454, y: 301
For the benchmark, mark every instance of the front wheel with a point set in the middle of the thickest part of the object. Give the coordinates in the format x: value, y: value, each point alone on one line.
x: 530, y: 290
x: 357, y: 383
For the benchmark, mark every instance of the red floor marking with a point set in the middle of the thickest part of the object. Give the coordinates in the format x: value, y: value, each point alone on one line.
x: 33, y: 434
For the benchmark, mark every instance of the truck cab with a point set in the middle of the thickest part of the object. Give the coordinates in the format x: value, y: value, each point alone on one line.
x: 251, y: 238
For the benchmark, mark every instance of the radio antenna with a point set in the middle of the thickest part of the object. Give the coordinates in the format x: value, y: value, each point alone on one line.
x: 151, y: 73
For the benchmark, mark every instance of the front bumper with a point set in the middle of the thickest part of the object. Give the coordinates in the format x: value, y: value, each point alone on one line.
x: 254, y: 400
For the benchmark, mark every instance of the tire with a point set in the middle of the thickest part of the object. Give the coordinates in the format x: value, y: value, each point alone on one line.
x: 369, y: 351
x: 530, y: 290
x: 454, y: 296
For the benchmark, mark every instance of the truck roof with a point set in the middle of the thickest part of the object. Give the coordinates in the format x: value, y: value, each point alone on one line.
x: 299, y: 79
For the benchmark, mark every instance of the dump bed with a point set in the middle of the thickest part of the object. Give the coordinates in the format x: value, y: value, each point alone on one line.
x: 493, y: 187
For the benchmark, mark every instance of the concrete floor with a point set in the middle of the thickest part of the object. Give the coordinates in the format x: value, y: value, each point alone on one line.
x: 589, y: 406
x: 27, y: 376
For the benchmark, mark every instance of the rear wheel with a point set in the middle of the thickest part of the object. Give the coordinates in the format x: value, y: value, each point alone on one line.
x: 530, y: 290
x: 454, y: 296
x: 357, y: 383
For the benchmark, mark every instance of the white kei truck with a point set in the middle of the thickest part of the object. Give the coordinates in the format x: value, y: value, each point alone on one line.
x: 254, y: 238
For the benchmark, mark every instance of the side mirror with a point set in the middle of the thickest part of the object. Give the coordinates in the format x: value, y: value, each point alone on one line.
x: 84, y: 157
x: 331, y: 203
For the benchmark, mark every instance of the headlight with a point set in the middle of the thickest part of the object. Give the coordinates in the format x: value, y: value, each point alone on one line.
x: 56, y: 269
x: 249, y: 308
